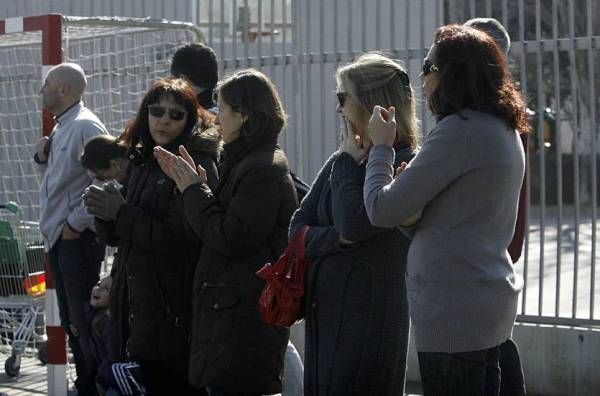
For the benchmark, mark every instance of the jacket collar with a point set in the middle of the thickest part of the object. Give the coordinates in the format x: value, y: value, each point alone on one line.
x: 69, y: 113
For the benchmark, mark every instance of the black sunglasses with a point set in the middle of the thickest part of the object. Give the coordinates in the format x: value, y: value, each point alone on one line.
x: 429, y: 67
x: 341, y: 97
x: 159, y: 111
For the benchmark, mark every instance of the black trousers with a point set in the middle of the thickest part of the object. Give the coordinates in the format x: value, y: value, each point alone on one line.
x: 167, y: 377
x: 473, y: 373
x: 512, y: 381
x: 75, y: 264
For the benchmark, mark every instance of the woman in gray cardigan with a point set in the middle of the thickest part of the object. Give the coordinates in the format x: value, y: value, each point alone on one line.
x: 462, y: 288
x: 356, y: 307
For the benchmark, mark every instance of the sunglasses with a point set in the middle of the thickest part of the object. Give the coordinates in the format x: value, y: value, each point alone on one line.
x: 429, y: 67
x: 341, y: 97
x: 159, y: 111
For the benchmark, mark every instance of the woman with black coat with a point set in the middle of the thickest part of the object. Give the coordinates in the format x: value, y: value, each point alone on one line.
x: 157, y: 254
x: 242, y: 224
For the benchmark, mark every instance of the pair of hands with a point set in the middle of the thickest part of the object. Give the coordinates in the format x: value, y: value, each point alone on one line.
x: 103, y: 202
x: 380, y: 130
x: 181, y: 169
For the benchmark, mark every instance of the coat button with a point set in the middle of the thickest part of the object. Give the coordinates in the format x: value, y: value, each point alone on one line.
x: 216, y: 306
x: 314, y: 304
x: 204, y: 285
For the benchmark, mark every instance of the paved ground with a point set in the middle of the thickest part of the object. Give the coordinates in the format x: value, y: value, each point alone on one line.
x: 31, y: 380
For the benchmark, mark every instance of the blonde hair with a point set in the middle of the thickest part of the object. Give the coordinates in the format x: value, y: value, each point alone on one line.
x: 375, y: 79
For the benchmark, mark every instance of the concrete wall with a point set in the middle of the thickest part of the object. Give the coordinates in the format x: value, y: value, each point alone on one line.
x: 557, y: 360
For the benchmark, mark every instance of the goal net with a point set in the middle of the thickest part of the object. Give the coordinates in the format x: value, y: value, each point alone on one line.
x: 121, y: 57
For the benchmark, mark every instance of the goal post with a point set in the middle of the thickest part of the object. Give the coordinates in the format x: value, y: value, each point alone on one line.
x: 121, y: 58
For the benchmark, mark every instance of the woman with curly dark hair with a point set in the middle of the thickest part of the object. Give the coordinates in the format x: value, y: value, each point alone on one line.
x: 462, y: 288
x: 151, y: 296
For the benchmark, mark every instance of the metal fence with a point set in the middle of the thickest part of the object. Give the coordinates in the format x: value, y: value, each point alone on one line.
x: 555, y: 49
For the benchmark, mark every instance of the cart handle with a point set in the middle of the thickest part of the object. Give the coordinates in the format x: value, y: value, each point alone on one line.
x: 11, y: 207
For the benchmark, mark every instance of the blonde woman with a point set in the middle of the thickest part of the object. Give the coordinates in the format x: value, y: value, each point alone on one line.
x: 356, y: 307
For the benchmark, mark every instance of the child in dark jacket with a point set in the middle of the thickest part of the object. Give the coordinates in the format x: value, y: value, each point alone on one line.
x: 112, y: 378
x: 98, y: 325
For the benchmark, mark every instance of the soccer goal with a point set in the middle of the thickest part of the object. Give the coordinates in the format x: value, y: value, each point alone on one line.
x: 121, y: 57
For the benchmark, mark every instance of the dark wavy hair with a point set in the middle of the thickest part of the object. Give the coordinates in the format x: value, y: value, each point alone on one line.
x: 100, y: 150
x: 474, y: 74
x: 137, y: 131
x: 252, y: 94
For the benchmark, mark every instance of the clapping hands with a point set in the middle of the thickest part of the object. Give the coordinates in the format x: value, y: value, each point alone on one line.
x: 181, y: 169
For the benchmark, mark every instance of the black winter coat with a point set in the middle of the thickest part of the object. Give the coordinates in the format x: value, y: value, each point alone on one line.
x: 152, y: 281
x: 242, y: 224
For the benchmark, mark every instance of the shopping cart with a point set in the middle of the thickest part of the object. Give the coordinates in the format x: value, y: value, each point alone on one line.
x: 22, y: 287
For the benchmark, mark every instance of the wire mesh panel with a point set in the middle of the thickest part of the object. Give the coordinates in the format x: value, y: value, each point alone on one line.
x: 121, y: 62
x: 20, y: 119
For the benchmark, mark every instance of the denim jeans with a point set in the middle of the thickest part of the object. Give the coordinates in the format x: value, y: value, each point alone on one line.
x: 75, y: 264
x: 473, y: 373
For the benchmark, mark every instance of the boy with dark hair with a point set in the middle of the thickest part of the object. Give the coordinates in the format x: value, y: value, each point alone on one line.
x: 198, y: 64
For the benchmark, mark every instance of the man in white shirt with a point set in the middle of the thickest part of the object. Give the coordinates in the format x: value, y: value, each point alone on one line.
x: 75, y: 254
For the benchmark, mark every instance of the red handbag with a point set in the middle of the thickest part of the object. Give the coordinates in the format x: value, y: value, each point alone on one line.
x: 280, y: 301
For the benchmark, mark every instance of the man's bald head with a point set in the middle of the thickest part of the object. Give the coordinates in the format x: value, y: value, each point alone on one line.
x: 63, y: 87
x: 493, y: 28
x: 72, y: 75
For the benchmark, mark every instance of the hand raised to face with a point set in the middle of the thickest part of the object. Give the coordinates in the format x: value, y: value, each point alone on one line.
x: 356, y: 147
x: 382, y: 126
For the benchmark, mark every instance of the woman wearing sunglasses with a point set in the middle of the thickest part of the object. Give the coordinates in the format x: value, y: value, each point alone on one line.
x: 157, y: 251
x: 242, y: 223
x: 356, y: 307
x: 466, y: 179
